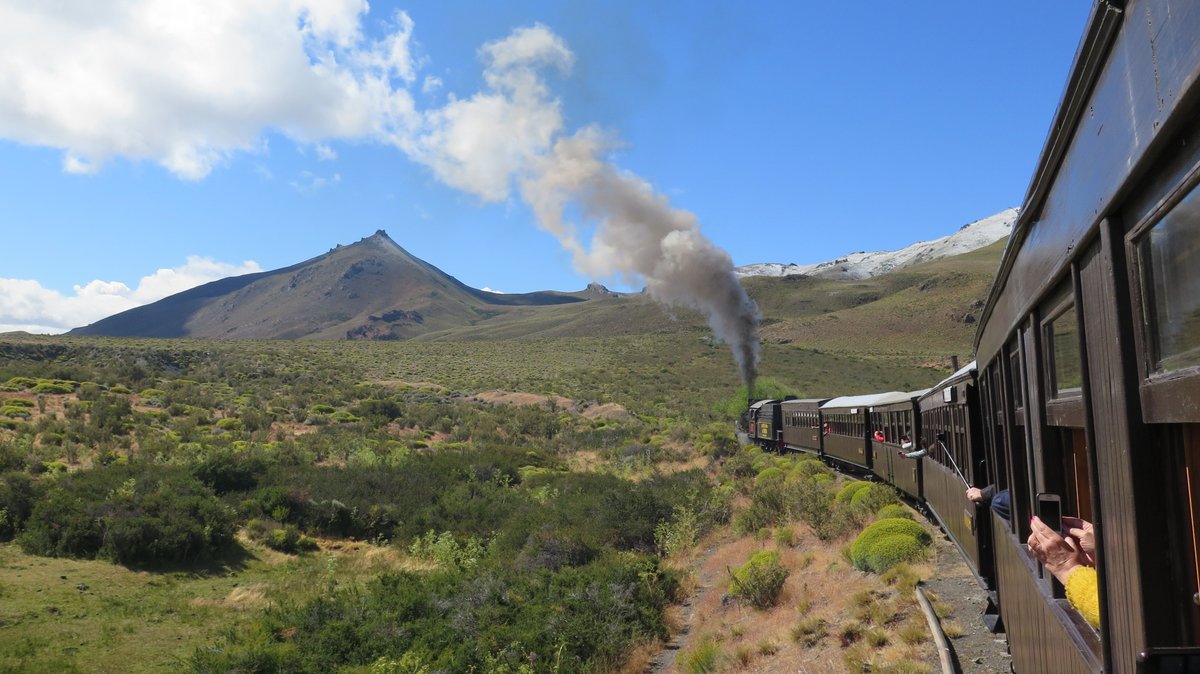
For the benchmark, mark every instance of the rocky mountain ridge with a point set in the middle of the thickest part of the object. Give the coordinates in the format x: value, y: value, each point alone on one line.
x: 971, y: 236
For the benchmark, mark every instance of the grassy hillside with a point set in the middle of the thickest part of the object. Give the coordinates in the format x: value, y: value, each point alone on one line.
x: 918, y: 316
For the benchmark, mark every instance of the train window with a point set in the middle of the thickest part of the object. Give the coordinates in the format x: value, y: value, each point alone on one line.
x: 1063, y: 336
x: 1014, y: 362
x: 1170, y: 280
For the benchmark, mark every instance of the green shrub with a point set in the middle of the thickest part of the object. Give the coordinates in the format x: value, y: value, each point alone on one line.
x: 810, y: 467
x: 119, y: 389
x: 128, y: 514
x: 703, y: 659
x: 769, y: 474
x: 56, y: 387
x: 232, y: 424
x: 18, y: 402
x: 760, y: 580
x: 893, y: 549
x: 54, y: 467
x: 224, y: 470
x: 785, y: 537
x: 22, y: 382
x: 847, y: 492
x: 871, y: 499
x: 281, y: 537
x: 894, y: 510
x: 879, y: 529
x: 15, y: 412
x: 17, y: 495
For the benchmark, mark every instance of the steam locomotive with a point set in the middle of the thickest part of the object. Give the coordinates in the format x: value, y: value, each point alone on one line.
x: 1085, y: 396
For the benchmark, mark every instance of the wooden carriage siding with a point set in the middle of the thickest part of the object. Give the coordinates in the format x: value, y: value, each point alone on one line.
x: 897, y: 416
x: 802, y: 424
x: 951, y: 410
x: 848, y: 440
x: 1123, y: 151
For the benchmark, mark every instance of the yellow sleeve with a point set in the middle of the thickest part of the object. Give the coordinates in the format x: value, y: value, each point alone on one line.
x: 1084, y: 594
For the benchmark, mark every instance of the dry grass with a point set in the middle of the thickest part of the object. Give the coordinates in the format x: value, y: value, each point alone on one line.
x: 823, y: 604
x: 239, y: 598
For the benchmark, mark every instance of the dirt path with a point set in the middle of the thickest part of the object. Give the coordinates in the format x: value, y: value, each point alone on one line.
x: 705, y: 582
x: 978, y: 651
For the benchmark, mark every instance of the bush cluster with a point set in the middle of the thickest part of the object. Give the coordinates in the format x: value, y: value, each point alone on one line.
x: 131, y: 514
x: 759, y: 581
x: 577, y: 619
x: 887, y: 542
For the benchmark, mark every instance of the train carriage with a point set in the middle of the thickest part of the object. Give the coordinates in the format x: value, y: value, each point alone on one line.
x: 848, y: 428
x: 895, y: 420
x: 950, y: 432
x: 1089, y: 352
x: 802, y: 424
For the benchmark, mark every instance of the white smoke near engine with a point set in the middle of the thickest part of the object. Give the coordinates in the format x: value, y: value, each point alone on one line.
x: 639, y: 234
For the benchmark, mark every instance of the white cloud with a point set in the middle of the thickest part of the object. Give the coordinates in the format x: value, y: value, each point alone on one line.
x: 309, y: 183
x: 187, y: 85
x: 478, y: 144
x: 190, y: 85
x: 489, y: 290
x: 27, y: 305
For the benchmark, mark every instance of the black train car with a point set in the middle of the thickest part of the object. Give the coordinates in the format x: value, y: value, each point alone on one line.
x: 950, y: 432
x: 894, y: 418
x: 1089, y: 352
x: 764, y: 424
x: 848, y: 440
x: 802, y: 424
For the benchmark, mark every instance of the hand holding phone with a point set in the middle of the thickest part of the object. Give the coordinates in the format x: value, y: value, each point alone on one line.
x: 1050, y: 511
x: 1084, y: 534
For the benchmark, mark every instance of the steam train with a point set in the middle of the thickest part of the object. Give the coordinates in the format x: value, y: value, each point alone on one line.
x: 1086, y: 388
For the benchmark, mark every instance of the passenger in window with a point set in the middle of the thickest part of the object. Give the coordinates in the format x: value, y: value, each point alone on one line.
x: 1066, y: 560
x: 1000, y: 502
x: 906, y: 446
x: 879, y: 437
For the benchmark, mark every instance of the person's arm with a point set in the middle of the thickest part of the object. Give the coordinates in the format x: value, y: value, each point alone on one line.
x: 1062, y: 558
x: 1083, y: 592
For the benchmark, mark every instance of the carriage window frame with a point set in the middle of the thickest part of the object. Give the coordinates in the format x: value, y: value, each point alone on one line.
x: 1171, y: 396
x: 1064, y: 407
x: 1051, y: 352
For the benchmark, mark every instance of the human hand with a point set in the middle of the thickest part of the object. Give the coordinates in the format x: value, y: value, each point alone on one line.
x: 1059, y: 555
x: 1085, y: 535
x: 975, y: 494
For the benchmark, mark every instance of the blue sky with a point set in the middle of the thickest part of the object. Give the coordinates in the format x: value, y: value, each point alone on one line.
x: 794, y: 131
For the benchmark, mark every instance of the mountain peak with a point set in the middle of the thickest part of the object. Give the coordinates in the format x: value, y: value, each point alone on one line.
x: 370, y: 289
x: 859, y: 265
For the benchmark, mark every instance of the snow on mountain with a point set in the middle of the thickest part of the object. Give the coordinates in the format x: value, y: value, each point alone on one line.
x: 865, y: 265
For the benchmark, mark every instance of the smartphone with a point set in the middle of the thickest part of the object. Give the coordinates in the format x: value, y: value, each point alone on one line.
x: 1050, y: 511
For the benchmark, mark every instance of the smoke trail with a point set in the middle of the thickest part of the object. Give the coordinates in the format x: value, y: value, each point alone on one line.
x: 514, y: 130
x: 639, y: 234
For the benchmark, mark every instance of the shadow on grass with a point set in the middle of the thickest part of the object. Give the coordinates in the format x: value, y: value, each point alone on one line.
x: 229, y: 559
